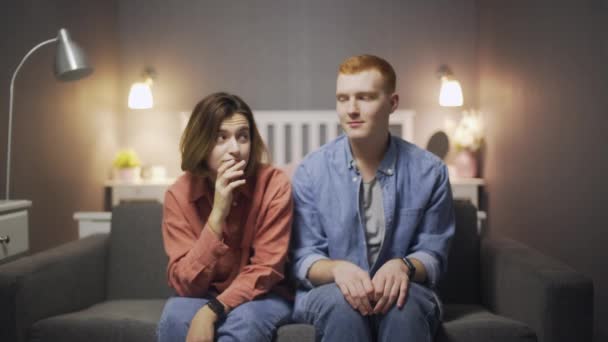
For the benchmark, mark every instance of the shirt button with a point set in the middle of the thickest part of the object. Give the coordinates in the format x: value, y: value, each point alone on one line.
x: 234, y: 204
x: 354, y: 179
x: 390, y: 172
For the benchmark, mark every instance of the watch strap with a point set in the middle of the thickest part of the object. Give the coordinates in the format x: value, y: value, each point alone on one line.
x: 217, y: 307
x: 411, y: 269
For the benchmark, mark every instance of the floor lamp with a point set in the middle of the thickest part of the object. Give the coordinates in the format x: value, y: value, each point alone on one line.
x: 70, y: 64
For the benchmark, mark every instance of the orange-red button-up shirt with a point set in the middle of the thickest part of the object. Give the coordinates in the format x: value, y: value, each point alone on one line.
x: 250, y: 259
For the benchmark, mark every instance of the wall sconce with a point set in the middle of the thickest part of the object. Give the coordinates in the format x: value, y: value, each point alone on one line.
x: 140, y: 95
x: 450, y: 94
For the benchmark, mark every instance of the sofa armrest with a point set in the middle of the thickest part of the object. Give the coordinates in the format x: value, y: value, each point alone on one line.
x: 523, y: 284
x: 67, y: 278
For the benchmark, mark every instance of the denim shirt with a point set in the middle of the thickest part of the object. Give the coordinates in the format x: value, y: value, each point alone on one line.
x: 418, y: 209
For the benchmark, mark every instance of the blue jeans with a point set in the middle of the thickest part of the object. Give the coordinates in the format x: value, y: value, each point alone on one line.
x: 335, y: 320
x: 251, y: 321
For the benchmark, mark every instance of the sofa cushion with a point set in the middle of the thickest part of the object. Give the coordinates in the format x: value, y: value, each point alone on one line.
x: 118, y: 320
x: 127, y: 320
x: 461, y: 284
x: 462, y: 323
x: 136, y: 320
x: 471, y: 323
x: 137, y: 263
x: 296, y: 333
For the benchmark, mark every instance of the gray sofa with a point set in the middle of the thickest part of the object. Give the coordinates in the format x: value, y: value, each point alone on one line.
x: 113, y: 288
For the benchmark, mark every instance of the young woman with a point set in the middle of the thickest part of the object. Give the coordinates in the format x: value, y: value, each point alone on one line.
x: 226, y: 229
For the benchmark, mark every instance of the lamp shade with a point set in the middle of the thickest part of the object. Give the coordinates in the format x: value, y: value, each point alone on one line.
x: 450, y: 94
x: 70, y: 61
x: 140, y: 96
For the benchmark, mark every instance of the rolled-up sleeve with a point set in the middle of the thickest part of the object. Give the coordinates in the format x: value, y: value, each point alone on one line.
x: 309, y: 242
x: 192, y: 259
x: 437, y: 228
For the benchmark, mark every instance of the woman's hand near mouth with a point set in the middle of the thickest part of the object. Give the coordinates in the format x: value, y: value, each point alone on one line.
x: 229, y: 177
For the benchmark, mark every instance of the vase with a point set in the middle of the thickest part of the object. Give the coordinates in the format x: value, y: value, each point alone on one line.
x: 128, y: 174
x: 465, y: 164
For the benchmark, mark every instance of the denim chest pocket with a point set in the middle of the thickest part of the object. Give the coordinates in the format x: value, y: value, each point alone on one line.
x: 406, y: 226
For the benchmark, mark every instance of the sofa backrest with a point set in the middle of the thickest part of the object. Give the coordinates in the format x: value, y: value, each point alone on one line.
x: 461, y: 284
x: 136, y: 258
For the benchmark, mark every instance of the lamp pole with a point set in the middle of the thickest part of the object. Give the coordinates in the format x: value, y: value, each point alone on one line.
x: 70, y: 64
x: 10, y: 112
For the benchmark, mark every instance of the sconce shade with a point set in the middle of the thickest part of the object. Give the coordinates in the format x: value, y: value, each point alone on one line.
x: 140, y: 96
x: 450, y: 94
x: 71, y: 62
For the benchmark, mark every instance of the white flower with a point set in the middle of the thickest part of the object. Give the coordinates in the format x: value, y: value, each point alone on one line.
x: 469, y: 131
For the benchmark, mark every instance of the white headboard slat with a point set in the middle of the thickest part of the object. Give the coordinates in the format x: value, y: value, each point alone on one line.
x: 314, y: 120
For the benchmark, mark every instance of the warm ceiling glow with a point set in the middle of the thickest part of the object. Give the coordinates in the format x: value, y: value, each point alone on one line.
x: 140, y: 96
x: 450, y: 94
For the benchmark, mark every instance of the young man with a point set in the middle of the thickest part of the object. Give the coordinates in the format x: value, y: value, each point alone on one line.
x: 373, y: 221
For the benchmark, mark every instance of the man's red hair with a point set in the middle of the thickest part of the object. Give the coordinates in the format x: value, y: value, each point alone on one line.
x: 357, y: 64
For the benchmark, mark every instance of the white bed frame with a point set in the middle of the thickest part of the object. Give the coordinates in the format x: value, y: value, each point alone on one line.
x: 314, y: 120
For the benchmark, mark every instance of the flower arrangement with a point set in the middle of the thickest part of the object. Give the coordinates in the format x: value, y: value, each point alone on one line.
x: 126, y: 159
x: 468, y: 134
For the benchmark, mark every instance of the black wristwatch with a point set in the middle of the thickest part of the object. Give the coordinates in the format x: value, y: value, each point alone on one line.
x: 411, y: 269
x: 217, y: 307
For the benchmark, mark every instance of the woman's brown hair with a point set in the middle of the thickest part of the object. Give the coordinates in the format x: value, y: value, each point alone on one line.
x: 201, y: 133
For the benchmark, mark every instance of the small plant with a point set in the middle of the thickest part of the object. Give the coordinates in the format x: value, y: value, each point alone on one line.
x: 126, y: 159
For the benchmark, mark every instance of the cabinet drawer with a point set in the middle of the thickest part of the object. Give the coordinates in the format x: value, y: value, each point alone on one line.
x: 14, y: 226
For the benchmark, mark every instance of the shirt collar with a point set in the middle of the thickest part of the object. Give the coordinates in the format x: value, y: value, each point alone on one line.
x: 387, y: 165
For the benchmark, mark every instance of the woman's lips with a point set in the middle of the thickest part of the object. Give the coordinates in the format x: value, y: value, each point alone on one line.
x: 355, y: 124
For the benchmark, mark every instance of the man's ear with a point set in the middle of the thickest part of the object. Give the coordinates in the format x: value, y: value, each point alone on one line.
x: 394, y: 101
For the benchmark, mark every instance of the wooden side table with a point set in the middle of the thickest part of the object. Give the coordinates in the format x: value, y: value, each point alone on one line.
x: 467, y: 188
x: 138, y: 191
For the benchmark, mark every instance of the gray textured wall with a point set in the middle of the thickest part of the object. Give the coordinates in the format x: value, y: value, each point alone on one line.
x: 284, y: 55
x: 544, y: 91
x: 276, y: 54
x: 64, y: 134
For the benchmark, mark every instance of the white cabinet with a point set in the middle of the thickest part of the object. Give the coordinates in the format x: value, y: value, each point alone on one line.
x: 93, y: 222
x: 14, y: 235
x: 99, y: 222
x: 462, y: 188
x: 467, y: 188
x: 140, y: 191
